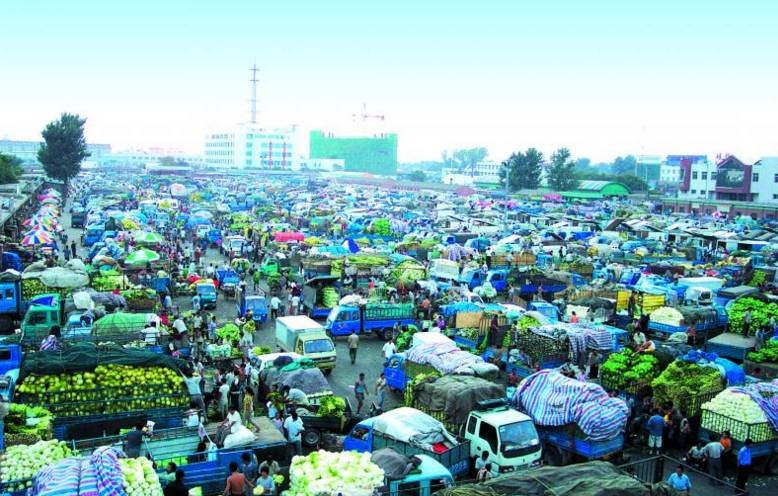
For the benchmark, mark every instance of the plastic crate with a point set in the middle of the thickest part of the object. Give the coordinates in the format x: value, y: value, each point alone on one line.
x: 470, y: 343
x: 758, y: 432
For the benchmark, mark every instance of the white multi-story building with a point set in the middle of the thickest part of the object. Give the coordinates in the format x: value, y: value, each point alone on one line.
x: 250, y: 146
x: 669, y: 174
x: 141, y: 158
x: 764, y: 180
x: 484, y: 172
x: 701, y: 182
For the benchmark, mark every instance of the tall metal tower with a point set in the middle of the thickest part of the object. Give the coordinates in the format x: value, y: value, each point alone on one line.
x: 254, y: 82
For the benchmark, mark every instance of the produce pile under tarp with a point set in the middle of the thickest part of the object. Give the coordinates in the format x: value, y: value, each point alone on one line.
x: 97, y: 475
x: 455, y: 396
x: 413, y: 427
x: 309, y: 381
x: 551, y: 399
x: 82, y: 357
x: 581, y: 479
x: 449, y: 359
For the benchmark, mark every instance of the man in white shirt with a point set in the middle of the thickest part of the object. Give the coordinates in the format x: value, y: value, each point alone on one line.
x: 293, y: 425
x: 179, y: 325
x: 151, y: 334
x: 275, y: 304
x: 295, y: 304
x: 389, y: 349
x: 233, y: 421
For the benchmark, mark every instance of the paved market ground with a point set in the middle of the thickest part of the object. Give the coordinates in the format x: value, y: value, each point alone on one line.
x: 370, y: 361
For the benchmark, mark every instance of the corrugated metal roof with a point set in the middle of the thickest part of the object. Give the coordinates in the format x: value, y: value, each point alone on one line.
x: 592, y: 185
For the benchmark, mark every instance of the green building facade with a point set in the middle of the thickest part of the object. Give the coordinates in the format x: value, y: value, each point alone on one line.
x: 376, y: 155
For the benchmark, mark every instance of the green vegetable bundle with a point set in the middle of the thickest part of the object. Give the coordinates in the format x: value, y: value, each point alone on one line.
x: 759, y: 278
x: 525, y: 322
x: 405, y: 339
x: 329, y: 297
x: 331, y: 406
x: 107, y: 282
x: 628, y: 371
x: 33, y: 287
x: 760, y: 314
x: 229, y: 332
x: 382, y: 227
x: 768, y: 353
x: 27, y: 425
x: 686, y: 385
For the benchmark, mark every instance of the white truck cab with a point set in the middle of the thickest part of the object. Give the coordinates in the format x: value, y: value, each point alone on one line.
x: 507, y: 435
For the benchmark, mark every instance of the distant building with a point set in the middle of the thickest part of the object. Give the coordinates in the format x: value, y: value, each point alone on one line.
x: 649, y: 168
x: 27, y: 151
x: 486, y: 172
x: 729, y: 179
x: 319, y: 164
x: 137, y: 159
x: 373, y: 154
x: 249, y: 146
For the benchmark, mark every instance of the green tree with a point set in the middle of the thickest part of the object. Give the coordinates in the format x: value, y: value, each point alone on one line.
x: 418, y: 175
x: 522, y: 170
x: 63, y: 148
x: 10, y: 168
x: 624, y: 165
x: 561, y: 175
x: 466, y: 159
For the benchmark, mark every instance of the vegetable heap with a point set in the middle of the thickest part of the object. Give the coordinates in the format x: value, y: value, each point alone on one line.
x: 683, y: 383
x: 759, y: 278
x: 628, y: 371
x: 229, y: 331
x: 140, y: 478
x: 405, y: 340
x: 382, y: 227
x: 738, y: 414
x: 407, y: 272
x: 667, y: 316
x: 108, y: 281
x: 326, y: 473
x: 525, y: 322
x: 27, y: 425
x: 768, y: 353
x: 329, y: 297
x: 760, y: 314
x: 32, y: 288
x: 331, y: 406
x: 108, y: 389
x: 22, y: 462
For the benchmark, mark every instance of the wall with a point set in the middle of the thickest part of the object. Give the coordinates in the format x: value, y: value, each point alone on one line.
x: 377, y: 155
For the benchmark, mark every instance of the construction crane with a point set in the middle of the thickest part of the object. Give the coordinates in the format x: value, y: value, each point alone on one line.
x: 365, y: 116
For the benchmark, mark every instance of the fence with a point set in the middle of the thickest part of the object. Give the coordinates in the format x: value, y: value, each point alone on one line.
x: 658, y: 469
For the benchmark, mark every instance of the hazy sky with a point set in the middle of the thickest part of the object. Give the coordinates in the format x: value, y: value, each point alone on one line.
x: 600, y: 77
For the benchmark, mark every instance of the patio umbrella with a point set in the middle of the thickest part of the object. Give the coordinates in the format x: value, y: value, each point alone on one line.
x: 147, y: 238
x: 142, y: 256
x: 38, y: 238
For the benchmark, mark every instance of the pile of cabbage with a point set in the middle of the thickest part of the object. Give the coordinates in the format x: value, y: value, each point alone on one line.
x: 139, y: 477
x: 326, y: 473
x: 667, y: 316
x: 739, y: 414
x: 21, y: 463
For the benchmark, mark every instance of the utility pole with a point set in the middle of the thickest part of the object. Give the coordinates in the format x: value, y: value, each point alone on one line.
x: 254, y: 82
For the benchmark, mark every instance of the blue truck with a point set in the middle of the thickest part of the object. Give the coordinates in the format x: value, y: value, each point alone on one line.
x: 78, y: 217
x: 10, y: 362
x: 257, y: 304
x: 12, y: 304
x: 93, y: 234
x: 498, y: 278
x: 567, y: 444
x: 313, y: 295
x: 376, y: 318
x: 207, y: 293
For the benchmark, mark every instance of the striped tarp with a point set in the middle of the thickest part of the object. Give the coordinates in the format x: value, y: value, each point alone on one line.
x: 98, y: 475
x: 552, y: 399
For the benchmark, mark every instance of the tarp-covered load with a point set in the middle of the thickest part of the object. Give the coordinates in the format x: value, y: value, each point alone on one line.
x: 551, y: 399
x: 394, y: 464
x: 447, y: 358
x: 96, y: 475
x: 83, y: 357
x: 582, y: 479
x: 310, y: 381
x: 122, y: 323
x: 412, y: 426
x: 72, y: 275
x: 455, y: 396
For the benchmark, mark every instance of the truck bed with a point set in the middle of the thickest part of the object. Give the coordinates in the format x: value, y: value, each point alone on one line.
x: 456, y: 459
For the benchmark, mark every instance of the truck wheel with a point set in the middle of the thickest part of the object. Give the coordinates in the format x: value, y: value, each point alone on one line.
x: 6, y: 324
x: 386, y: 334
x: 552, y: 456
x: 311, y: 438
x: 328, y: 372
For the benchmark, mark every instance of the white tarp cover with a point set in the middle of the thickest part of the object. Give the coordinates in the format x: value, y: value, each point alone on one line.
x: 412, y: 426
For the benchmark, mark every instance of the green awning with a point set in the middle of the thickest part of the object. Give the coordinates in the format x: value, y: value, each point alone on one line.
x: 581, y: 194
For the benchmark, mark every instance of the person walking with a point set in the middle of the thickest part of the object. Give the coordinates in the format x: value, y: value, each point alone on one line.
x: 275, y: 304
x: 655, y: 427
x: 353, y: 345
x: 743, y: 466
x: 294, y: 427
x: 360, y: 391
x: 388, y: 350
x: 680, y: 481
x: 266, y: 483
x: 380, y: 388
